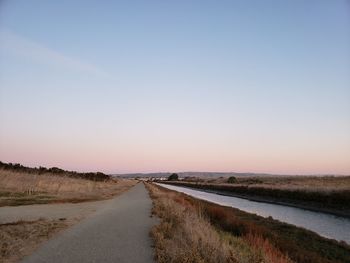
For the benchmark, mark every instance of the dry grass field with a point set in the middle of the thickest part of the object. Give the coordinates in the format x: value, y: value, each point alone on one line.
x: 311, y: 183
x: 21, y: 238
x: 20, y: 188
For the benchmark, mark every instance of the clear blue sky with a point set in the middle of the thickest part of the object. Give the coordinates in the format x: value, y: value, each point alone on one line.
x: 139, y: 86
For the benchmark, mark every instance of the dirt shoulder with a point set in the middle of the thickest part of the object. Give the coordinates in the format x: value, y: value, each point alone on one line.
x: 21, y: 238
x: 24, y: 228
x: 67, y: 211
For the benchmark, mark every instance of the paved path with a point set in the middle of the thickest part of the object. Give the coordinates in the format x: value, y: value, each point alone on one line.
x: 118, y: 232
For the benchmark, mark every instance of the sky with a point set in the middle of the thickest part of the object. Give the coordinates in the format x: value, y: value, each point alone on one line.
x: 150, y: 86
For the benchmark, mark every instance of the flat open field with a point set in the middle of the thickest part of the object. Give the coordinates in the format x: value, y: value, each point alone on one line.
x: 21, y: 188
x: 324, y: 183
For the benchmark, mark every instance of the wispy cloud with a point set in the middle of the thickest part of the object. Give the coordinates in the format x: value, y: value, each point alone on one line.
x: 21, y: 46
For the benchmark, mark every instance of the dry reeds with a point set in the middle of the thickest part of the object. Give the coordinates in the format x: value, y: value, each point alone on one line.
x: 186, y: 235
x: 19, y: 186
x: 278, y: 242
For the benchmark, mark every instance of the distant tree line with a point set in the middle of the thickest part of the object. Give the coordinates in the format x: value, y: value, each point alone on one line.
x: 16, y: 167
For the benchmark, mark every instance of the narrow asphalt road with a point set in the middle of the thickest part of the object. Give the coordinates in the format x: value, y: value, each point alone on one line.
x: 118, y: 232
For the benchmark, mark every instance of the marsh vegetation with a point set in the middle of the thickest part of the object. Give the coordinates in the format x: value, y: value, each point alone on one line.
x: 244, y: 237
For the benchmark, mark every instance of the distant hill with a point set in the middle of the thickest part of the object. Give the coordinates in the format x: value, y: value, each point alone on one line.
x: 190, y: 174
x: 211, y: 175
x: 141, y: 175
x: 219, y: 174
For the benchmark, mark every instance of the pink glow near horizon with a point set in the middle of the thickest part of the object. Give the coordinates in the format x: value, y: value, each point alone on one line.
x: 176, y: 86
x: 174, y: 158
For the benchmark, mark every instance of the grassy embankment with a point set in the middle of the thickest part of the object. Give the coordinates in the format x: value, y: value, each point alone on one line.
x: 193, y: 230
x: 23, y: 186
x: 328, y: 194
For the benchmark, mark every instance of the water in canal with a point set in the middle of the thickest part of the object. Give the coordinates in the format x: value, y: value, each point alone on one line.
x: 326, y: 225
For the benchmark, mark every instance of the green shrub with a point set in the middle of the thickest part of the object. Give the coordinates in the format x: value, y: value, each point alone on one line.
x: 232, y: 180
x: 173, y: 177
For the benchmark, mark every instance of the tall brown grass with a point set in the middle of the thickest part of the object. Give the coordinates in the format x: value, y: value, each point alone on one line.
x: 58, y: 188
x: 186, y: 235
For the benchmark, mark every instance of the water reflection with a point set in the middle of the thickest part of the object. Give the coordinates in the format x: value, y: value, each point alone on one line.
x: 326, y: 225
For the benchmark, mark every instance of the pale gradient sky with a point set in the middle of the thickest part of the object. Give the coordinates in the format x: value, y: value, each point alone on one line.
x: 142, y: 86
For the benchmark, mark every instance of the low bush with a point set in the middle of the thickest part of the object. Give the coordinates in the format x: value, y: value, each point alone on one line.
x: 232, y: 180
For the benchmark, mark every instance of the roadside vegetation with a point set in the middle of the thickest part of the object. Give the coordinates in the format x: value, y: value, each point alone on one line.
x: 24, y: 186
x: 193, y: 230
x: 329, y: 194
x: 19, y: 239
x: 186, y: 234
